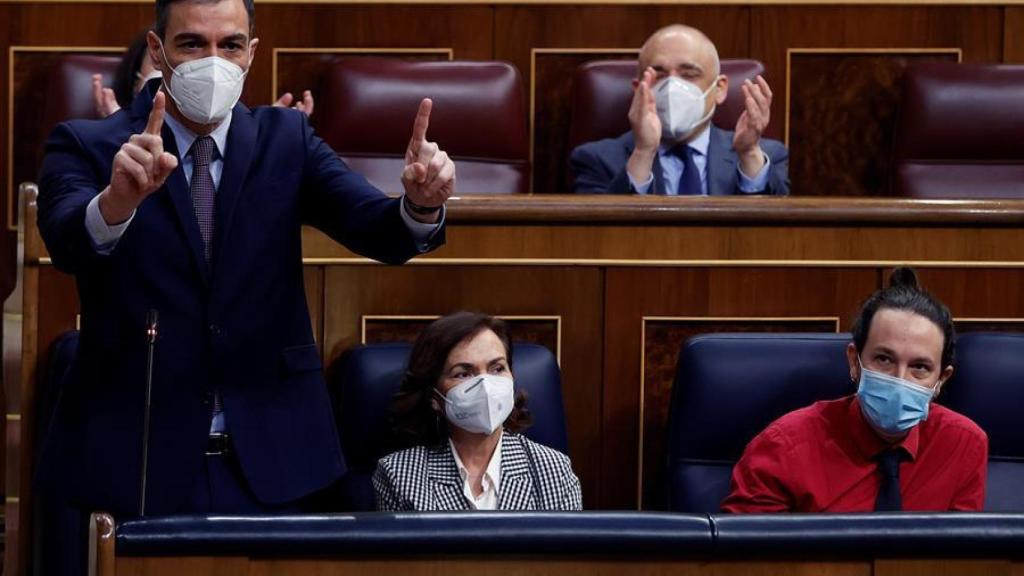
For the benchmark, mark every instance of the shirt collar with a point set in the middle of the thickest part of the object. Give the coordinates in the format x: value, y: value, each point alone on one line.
x: 493, y: 472
x: 699, y: 144
x: 867, y: 440
x: 183, y: 137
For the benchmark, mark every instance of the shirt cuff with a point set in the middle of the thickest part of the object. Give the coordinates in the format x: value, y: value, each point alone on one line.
x: 104, y: 236
x: 422, y: 233
x: 642, y: 188
x: 757, y: 183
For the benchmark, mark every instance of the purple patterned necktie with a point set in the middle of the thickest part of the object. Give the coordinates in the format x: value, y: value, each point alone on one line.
x: 203, y: 190
x: 202, y: 201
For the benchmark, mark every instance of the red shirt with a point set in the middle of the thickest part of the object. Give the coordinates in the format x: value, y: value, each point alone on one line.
x: 821, y: 459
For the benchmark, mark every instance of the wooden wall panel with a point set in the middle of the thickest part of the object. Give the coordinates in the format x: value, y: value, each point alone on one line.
x: 843, y: 118
x: 1013, y: 39
x: 774, y: 29
x: 983, y: 293
x: 519, y: 29
x: 631, y: 294
x: 574, y: 294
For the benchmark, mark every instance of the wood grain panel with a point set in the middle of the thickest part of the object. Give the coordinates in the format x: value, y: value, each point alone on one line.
x: 519, y: 29
x: 857, y: 96
x: 632, y: 294
x: 949, y: 567
x: 983, y: 293
x: 663, y: 339
x: 575, y: 294
x: 774, y: 29
x: 1013, y: 40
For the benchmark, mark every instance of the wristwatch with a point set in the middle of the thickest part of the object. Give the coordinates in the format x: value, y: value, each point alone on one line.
x: 416, y: 208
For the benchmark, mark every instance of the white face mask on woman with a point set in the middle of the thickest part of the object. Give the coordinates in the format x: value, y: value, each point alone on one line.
x: 205, y: 90
x: 480, y: 404
x: 680, y: 107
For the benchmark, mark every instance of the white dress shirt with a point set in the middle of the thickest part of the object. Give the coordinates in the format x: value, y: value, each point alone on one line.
x: 488, y: 499
x: 672, y: 169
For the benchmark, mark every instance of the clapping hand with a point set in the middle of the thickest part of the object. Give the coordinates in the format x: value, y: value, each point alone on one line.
x: 752, y: 124
x: 103, y: 98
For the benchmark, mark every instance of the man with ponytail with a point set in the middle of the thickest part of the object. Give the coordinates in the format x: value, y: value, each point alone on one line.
x: 887, y: 447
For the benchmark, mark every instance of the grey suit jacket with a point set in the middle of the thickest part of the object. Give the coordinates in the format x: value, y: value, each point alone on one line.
x: 533, y: 477
x: 600, y: 166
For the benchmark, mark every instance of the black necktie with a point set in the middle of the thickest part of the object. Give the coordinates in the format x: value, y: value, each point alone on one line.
x: 689, y: 182
x: 889, y: 499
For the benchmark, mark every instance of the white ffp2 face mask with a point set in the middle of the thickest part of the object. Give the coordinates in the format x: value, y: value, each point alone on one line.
x: 205, y: 90
x: 480, y: 404
x: 680, y: 107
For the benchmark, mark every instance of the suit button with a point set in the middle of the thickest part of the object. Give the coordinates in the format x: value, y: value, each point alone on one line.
x: 214, y: 330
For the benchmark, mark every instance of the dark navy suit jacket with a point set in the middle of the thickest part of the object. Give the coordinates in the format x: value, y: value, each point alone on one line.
x: 240, y: 324
x: 600, y: 166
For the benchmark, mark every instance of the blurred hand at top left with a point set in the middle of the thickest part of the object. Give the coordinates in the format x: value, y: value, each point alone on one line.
x: 103, y: 97
x: 305, y: 105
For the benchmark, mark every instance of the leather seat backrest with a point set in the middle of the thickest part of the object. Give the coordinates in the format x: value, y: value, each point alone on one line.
x: 478, y: 118
x: 728, y: 388
x: 368, y: 377
x: 961, y: 132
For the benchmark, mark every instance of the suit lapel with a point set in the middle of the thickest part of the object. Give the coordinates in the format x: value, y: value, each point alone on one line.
x: 445, y: 483
x: 516, y: 490
x: 721, y: 163
x: 241, y: 143
x: 176, y: 185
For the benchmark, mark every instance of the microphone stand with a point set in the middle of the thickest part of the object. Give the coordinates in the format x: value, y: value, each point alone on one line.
x: 151, y: 331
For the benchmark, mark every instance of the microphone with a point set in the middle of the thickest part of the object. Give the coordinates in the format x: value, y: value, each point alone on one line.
x: 151, y: 331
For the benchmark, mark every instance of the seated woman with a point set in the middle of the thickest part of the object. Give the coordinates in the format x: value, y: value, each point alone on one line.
x: 888, y: 447
x: 457, y: 406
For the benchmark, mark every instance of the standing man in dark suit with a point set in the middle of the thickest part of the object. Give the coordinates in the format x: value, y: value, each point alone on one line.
x: 673, y: 148
x: 191, y: 204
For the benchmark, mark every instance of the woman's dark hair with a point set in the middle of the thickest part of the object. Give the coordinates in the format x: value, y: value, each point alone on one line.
x: 414, y: 417
x: 125, y: 75
x: 904, y: 293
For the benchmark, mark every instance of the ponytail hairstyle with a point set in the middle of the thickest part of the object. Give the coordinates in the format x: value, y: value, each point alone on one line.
x: 905, y: 293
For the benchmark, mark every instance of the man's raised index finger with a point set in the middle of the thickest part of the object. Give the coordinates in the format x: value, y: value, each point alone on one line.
x: 419, y: 128
x: 156, y: 115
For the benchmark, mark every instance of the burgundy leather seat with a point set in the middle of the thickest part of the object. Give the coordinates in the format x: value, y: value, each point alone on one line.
x: 478, y: 118
x: 602, y: 91
x: 961, y: 132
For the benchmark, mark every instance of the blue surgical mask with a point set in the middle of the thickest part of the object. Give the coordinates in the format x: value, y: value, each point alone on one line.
x: 892, y: 405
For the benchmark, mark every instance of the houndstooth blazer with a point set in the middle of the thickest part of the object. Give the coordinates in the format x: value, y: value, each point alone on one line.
x: 427, y: 479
